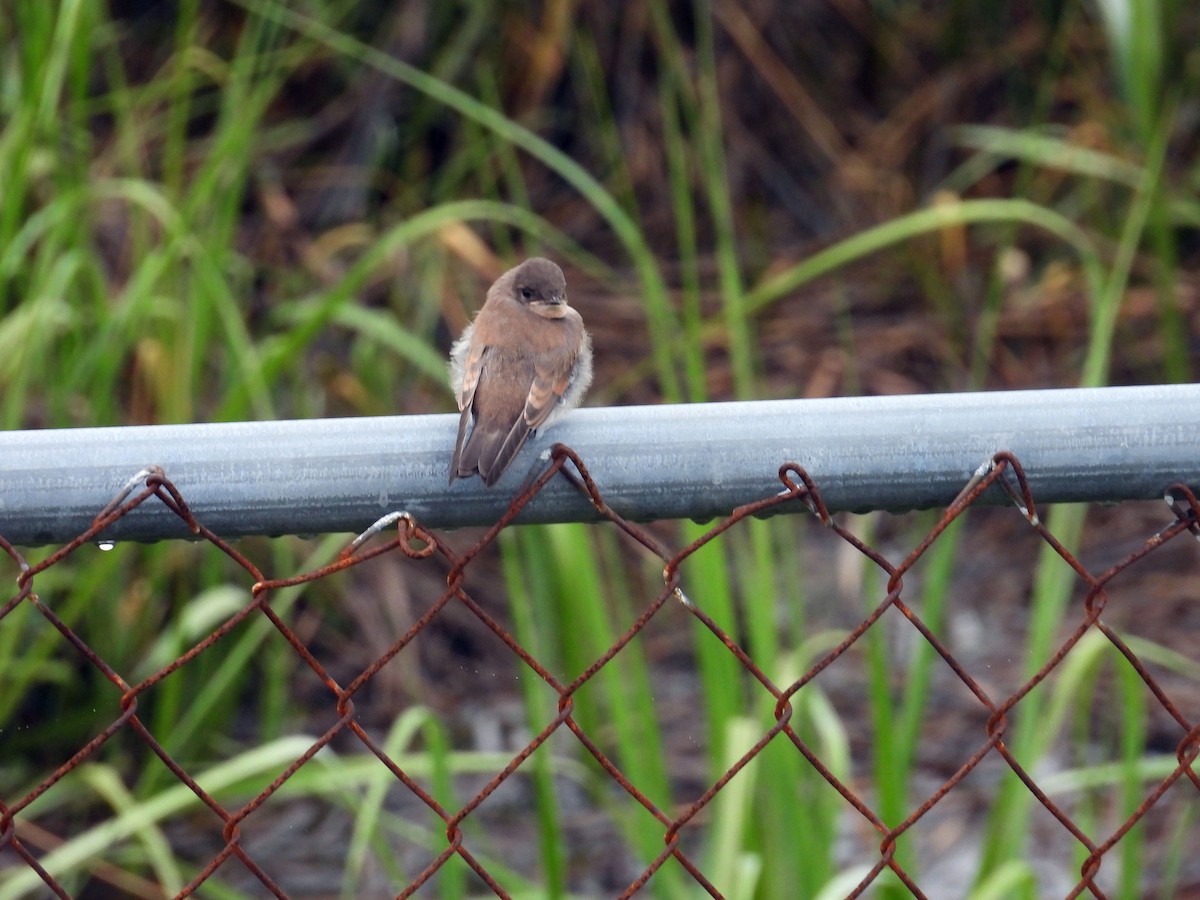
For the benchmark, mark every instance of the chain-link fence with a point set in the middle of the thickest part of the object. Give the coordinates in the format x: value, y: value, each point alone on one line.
x: 26, y: 849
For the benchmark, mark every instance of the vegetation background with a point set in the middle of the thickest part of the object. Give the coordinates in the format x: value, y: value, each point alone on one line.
x: 246, y: 209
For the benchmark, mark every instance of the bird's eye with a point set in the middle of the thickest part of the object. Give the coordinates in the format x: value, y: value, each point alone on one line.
x: 527, y: 293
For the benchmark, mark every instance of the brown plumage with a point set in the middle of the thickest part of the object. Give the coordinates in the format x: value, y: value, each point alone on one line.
x: 524, y: 362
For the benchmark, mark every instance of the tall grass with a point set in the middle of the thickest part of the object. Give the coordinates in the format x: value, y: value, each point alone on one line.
x: 129, y: 295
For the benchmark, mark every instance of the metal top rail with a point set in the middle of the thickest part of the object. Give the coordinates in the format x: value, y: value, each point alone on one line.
x: 652, y: 462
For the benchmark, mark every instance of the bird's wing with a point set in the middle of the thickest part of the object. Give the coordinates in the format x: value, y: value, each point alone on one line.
x: 472, y: 368
x: 472, y: 371
x: 550, y: 381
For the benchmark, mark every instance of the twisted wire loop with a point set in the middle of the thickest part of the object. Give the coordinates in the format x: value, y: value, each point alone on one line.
x: 399, y: 532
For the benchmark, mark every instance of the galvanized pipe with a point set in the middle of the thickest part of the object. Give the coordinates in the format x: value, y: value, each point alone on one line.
x: 650, y: 462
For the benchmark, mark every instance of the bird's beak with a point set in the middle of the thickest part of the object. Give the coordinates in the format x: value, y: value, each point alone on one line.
x: 553, y: 307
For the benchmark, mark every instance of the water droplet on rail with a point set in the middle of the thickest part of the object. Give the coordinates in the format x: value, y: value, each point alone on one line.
x: 106, y: 545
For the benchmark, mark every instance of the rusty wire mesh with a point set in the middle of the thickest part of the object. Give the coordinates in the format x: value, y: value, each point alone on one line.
x: 416, y: 542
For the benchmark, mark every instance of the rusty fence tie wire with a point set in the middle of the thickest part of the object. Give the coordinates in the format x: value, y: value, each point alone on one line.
x: 410, y: 538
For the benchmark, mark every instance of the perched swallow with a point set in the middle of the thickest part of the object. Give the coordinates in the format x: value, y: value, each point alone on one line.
x: 522, y: 364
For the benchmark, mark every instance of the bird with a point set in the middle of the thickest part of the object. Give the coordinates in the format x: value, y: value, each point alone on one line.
x: 523, y: 363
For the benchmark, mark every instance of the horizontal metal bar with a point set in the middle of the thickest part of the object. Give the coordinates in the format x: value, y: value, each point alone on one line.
x: 650, y: 462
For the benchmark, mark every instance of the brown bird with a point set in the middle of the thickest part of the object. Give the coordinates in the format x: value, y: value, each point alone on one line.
x: 523, y: 363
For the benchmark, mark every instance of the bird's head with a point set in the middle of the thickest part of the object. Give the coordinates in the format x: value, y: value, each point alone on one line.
x: 540, y: 284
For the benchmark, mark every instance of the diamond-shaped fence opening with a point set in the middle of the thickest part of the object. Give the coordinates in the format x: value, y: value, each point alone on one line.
x: 658, y: 748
